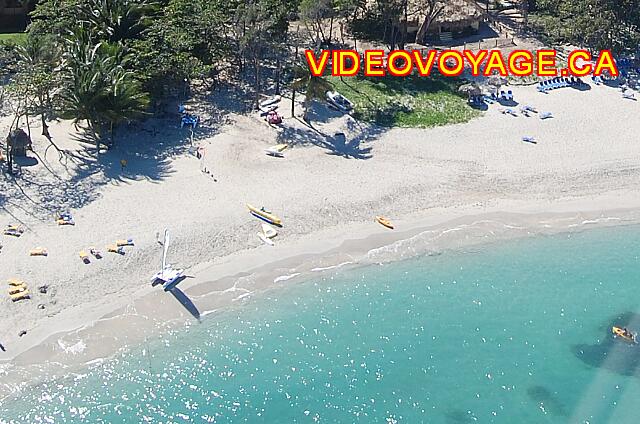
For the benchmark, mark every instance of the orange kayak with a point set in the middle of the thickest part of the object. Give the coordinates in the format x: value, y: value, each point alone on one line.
x: 619, y: 332
x: 384, y: 221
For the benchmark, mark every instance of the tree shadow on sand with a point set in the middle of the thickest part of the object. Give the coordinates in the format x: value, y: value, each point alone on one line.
x: 337, y: 144
x: 77, y: 176
x: 613, y: 354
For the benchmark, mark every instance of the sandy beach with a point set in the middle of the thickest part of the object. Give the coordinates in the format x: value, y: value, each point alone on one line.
x: 584, y: 168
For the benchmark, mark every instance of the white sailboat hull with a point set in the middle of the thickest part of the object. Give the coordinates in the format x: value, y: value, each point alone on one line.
x: 167, y: 276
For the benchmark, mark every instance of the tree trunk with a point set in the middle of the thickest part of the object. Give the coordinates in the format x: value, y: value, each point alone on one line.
x: 45, y: 127
x: 278, y: 73
x: 28, y: 126
x: 432, y: 13
x: 256, y: 63
x: 422, y: 31
x: 406, y: 24
x: 9, y: 159
x: 293, y: 103
x: 330, y: 30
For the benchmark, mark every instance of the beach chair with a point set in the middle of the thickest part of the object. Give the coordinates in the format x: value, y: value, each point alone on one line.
x: 546, y: 115
x: 529, y: 139
x: 509, y: 95
x: 65, y: 218
x: 17, y: 289
x: 509, y: 111
x: 122, y: 242
x: 13, y: 230
x: 112, y: 248
x: 529, y: 108
x: 95, y: 252
x: 489, y: 100
x: 84, y: 257
x: 38, y: 251
x: 15, y: 282
x: 628, y: 96
x: 20, y: 296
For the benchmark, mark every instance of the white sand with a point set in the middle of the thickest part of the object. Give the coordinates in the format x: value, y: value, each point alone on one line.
x: 587, y: 158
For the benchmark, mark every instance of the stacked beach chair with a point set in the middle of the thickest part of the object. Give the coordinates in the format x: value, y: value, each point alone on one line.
x: 18, y: 290
x: 119, y: 245
x: 13, y: 230
x: 559, y: 82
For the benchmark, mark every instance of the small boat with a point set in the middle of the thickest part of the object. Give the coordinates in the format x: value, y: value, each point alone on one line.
x: 269, y: 231
x: 270, y: 101
x: 265, y: 239
x: 384, y: 221
x: 338, y: 101
x: 276, y: 150
x: 264, y: 111
x: 274, y: 153
x: 620, y: 332
x: 264, y: 215
x: 273, y: 118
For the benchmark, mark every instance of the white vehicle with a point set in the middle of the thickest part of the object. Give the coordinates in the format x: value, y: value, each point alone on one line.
x: 338, y: 101
x: 168, y: 276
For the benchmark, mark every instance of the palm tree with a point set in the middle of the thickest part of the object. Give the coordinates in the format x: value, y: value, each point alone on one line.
x: 117, y: 20
x: 313, y: 87
x: 99, y: 89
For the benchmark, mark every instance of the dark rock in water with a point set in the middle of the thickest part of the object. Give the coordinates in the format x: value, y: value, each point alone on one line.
x: 547, y: 400
x: 43, y: 289
x: 22, y: 333
x: 458, y: 416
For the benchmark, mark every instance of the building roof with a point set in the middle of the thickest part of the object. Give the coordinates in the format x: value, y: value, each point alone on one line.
x: 18, y: 138
x: 460, y: 11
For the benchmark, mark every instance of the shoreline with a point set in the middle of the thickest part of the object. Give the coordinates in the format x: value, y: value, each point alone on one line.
x: 326, y: 194
x: 124, y: 323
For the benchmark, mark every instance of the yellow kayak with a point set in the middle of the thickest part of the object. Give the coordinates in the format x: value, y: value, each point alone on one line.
x: 619, y: 332
x: 384, y: 221
x: 267, y: 216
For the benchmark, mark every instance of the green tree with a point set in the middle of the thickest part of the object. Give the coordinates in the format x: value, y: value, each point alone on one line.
x: 38, y: 58
x: 99, y: 89
x: 313, y: 87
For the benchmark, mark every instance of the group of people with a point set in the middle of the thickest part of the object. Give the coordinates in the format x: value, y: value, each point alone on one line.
x: 628, y: 334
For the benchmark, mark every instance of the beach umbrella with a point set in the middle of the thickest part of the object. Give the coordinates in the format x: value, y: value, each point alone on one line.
x: 496, y: 81
x: 470, y: 89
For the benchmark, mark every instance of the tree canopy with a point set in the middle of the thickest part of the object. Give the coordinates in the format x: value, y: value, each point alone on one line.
x: 598, y: 24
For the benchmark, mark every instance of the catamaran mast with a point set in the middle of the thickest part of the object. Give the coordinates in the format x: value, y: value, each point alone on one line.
x: 165, y: 247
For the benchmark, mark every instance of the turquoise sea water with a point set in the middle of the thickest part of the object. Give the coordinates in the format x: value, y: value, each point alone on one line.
x: 515, y: 332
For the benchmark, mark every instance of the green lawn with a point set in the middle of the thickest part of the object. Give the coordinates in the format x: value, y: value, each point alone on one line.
x: 13, y: 37
x: 406, y: 102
